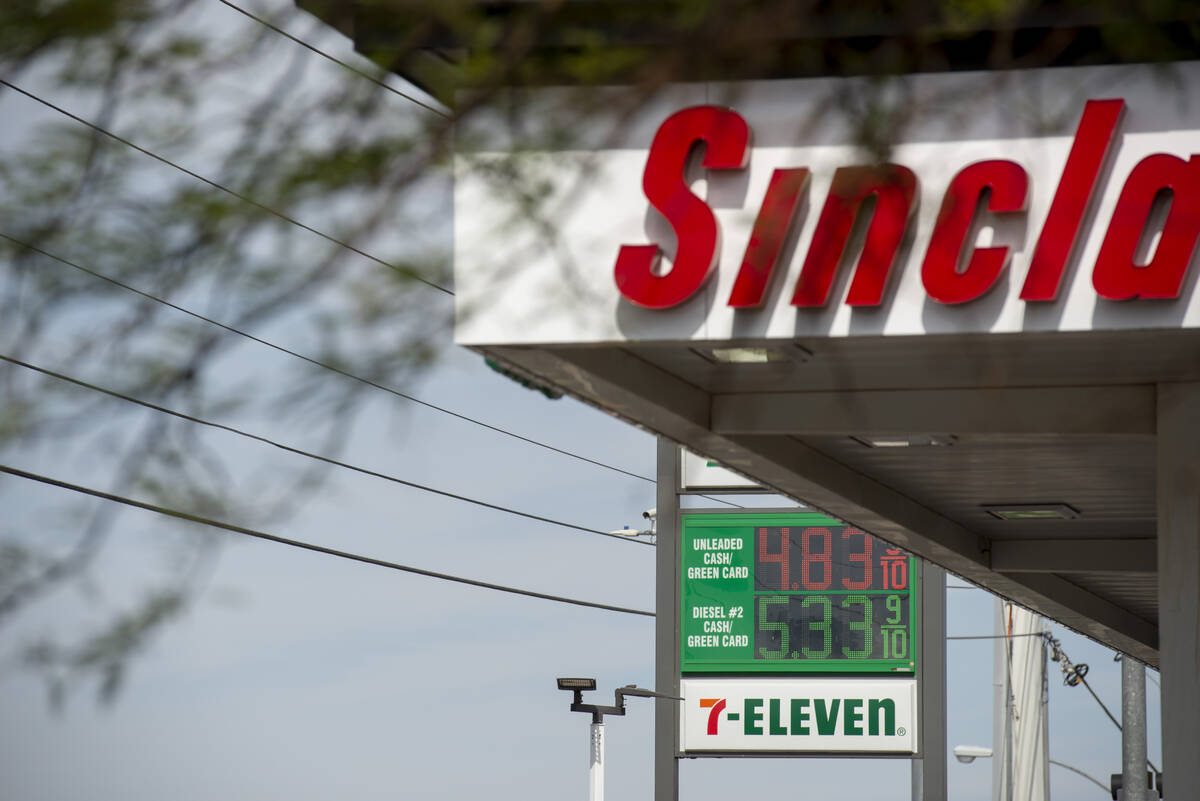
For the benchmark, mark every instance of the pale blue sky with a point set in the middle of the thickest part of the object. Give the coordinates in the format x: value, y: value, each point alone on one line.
x: 301, y: 676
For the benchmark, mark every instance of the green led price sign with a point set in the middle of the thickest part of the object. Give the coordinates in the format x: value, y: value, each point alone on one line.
x: 793, y: 593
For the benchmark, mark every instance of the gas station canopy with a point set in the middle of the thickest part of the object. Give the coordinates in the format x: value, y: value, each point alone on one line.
x: 945, y: 299
x: 964, y: 351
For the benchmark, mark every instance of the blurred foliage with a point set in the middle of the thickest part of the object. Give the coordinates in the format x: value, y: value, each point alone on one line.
x: 106, y: 654
x: 197, y: 82
x: 454, y: 47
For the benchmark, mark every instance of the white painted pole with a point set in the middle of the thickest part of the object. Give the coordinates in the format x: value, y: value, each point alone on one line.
x: 1000, y: 696
x: 1030, y: 766
x: 596, y: 763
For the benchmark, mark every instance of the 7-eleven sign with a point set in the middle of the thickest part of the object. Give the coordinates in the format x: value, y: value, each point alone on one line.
x: 799, y: 715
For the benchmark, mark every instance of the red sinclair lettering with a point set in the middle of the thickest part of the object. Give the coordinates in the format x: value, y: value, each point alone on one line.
x: 1093, y: 140
x: 1117, y: 275
x: 1121, y: 271
x: 775, y: 219
x: 1008, y: 184
x: 727, y: 138
x: 893, y: 187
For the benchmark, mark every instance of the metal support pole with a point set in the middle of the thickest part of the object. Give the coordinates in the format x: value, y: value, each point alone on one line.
x: 666, y: 628
x: 929, y: 771
x: 1045, y: 714
x: 596, y: 763
x: 1133, y: 730
x: 1178, y: 479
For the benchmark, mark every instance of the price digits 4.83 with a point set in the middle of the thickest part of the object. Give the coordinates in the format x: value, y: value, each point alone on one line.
x: 835, y: 593
x: 817, y: 558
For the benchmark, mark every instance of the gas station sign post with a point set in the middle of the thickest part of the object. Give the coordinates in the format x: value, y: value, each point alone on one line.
x: 798, y: 634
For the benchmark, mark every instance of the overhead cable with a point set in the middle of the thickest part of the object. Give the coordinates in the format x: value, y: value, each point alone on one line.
x: 988, y: 636
x: 1075, y: 674
x: 1080, y: 772
x: 309, y: 546
x: 309, y: 454
x: 334, y: 59
x: 405, y: 271
x: 331, y: 367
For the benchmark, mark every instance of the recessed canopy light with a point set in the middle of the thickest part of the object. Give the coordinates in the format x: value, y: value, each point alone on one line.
x: 736, y: 354
x: 747, y: 355
x: 1032, y: 511
x: 906, y: 440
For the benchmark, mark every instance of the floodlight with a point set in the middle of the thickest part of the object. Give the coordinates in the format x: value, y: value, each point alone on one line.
x: 631, y: 532
x: 969, y: 753
x: 596, y: 732
x: 642, y: 692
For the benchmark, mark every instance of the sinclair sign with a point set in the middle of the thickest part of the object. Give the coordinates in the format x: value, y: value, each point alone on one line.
x: 953, y: 269
x: 1047, y: 200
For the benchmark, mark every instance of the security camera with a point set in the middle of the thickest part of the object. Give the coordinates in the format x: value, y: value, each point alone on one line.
x: 650, y: 514
x: 969, y: 753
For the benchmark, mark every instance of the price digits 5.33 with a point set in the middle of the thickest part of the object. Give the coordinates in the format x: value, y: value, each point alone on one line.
x: 842, y: 626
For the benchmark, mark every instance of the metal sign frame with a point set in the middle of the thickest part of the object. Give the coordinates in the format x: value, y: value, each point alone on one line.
x: 690, y: 520
x: 699, y: 474
x: 905, y: 745
x: 674, y: 545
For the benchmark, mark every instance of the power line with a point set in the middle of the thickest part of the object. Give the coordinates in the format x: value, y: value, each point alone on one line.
x: 976, y: 636
x: 325, y: 365
x: 334, y: 368
x: 334, y: 59
x: 308, y: 546
x: 310, y: 454
x: 1074, y: 674
x: 1080, y: 772
x: 1116, y: 723
x: 1103, y: 706
x: 719, y: 500
x: 402, y: 270
x: 405, y: 271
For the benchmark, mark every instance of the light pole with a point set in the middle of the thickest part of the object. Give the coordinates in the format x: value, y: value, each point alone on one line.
x: 596, y: 731
x: 650, y: 515
x: 969, y: 753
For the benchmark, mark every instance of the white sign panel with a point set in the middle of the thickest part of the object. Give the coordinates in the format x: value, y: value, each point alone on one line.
x: 703, y: 474
x: 1030, y: 131
x: 818, y: 716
